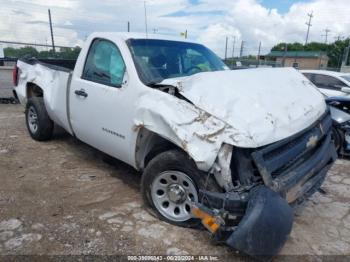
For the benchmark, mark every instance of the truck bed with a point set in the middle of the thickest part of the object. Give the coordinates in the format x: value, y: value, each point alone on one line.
x: 53, y: 77
x: 53, y: 63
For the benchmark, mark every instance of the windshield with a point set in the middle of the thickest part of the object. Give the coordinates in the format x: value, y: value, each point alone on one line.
x: 157, y: 60
x: 346, y: 77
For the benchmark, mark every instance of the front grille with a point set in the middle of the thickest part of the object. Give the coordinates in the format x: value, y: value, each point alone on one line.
x: 298, y: 158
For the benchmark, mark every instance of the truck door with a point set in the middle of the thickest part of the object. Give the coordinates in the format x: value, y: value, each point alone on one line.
x: 99, y: 110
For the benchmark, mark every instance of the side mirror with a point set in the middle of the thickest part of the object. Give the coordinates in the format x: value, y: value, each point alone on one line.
x: 345, y: 89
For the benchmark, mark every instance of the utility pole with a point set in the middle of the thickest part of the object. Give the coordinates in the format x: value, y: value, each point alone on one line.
x: 53, y: 42
x: 226, y: 48
x: 128, y: 26
x: 233, y: 50
x: 259, y: 52
x: 242, y: 47
x: 144, y: 5
x: 346, y: 55
x: 339, y: 37
x: 284, y: 54
x: 326, y: 35
x: 310, y: 15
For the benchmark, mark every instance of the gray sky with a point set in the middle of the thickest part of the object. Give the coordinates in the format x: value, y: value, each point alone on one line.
x: 207, y: 21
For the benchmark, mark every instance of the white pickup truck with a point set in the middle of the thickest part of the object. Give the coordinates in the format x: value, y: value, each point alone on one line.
x: 234, y: 150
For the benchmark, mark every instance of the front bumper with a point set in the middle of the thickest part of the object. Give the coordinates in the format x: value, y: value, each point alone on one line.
x: 258, y: 219
x: 297, y: 166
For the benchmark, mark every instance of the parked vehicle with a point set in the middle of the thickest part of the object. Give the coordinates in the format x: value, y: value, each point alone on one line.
x: 330, y: 83
x: 231, y: 149
x: 340, y: 111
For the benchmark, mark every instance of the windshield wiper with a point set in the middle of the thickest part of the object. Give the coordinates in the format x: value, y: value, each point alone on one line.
x: 153, y: 84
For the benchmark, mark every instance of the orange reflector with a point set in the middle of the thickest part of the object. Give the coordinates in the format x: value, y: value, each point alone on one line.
x: 207, y: 220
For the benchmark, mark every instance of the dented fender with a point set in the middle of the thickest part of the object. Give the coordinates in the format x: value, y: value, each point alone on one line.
x: 196, y: 132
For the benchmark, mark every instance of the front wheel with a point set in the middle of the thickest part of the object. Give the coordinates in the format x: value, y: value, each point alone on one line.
x: 39, y: 124
x: 338, y: 138
x: 170, y: 183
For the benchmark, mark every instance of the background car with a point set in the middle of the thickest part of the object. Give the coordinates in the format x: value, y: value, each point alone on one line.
x: 330, y: 83
x: 340, y: 111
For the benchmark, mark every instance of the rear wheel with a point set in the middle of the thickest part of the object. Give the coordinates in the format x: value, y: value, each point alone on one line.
x: 39, y: 124
x: 170, y: 183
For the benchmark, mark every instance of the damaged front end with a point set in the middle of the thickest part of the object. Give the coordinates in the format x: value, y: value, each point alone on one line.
x: 254, y: 215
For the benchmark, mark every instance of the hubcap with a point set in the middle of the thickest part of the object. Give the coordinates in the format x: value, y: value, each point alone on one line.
x: 172, y: 193
x: 176, y: 194
x: 32, y: 119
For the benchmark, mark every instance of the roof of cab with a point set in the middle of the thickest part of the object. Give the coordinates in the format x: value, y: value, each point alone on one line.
x: 126, y: 35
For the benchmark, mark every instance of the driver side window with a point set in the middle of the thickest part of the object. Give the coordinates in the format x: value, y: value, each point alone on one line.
x: 104, y: 64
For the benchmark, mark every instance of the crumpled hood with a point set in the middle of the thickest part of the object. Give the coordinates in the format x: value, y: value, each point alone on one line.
x: 261, y: 105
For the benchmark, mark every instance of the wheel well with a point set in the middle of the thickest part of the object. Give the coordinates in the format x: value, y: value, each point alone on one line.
x: 157, y: 149
x: 149, y: 145
x: 34, y: 90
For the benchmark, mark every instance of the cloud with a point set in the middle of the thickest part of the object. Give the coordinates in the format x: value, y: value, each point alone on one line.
x: 207, y: 21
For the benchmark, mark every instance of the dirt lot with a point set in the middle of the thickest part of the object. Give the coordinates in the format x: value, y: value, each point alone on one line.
x: 60, y: 197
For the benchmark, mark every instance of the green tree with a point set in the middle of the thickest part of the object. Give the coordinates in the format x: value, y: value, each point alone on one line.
x: 20, y: 52
x: 28, y: 51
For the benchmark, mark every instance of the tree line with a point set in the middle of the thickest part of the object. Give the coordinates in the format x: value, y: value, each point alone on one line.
x: 29, y: 51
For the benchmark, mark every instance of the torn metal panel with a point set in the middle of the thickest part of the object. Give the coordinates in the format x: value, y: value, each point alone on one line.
x: 263, y: 105
x: 197, y: 133
x: 224, y: 160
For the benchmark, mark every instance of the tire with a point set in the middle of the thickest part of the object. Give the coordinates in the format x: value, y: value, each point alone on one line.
x: 39, y: 124
x: 189, y: 180
x: 338, y: 138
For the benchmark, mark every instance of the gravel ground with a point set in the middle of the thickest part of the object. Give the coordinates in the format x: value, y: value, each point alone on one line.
x: 61, y: 198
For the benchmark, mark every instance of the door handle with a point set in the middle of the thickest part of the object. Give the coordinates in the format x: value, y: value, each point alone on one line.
x: 81, y: 92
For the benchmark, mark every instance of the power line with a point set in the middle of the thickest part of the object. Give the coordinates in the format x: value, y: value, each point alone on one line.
x: 310, y: 15
x: 33, y: 44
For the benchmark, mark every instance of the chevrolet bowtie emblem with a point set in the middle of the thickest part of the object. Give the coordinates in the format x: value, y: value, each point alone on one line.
x: 312, y: 141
